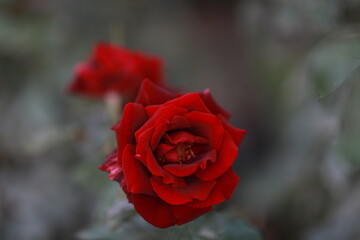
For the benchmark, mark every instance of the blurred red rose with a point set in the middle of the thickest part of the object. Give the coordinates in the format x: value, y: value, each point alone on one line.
x: 174, y: 155
x: 115, y: 69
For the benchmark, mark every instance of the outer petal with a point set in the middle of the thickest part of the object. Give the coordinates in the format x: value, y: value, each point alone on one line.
x: 114, y: 169
x: 206, y: 125
x: 177, y: 196
x: 226, y: 157
x: 222, y: 191
x: 86, y: 81
x: 186, y: 214
x: 151, y: 94
x: 212, y: 105
x: 137, y: 177
x: 154, y: 70
x: 236, y: 133
x: 111, y: 166
x: 77, y: 85
x: 163, y: 215
x: 191, y: 101
x: 102, y: 52
x: 133, y: 118
x: 154, y: 210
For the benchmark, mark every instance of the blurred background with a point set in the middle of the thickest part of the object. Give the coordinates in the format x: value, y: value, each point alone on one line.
x: 287, y: 70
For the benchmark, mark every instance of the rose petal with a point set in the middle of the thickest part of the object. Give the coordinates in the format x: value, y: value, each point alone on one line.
x: 191, y: 101
x: 167, y: 113
x: 236, y: 133
x: 185, y: 137
x: 206, y: 125
x: 151, y: 109
x: 222, y: 191
x: 136, y: 175
x: 226, y: 156
x: 163, y: 215
x: 102, y: 52
x: 177, y: 196
x: 183, y: 170
x: 157, y: 170
x: 112, y: 167
x: 154, y: 210
x: 172, y: 156
x: 212, y: 105
x: 162, y: 116
x: 177, y: 122
x: 133, y: 117
x: 157, y: 136
x: 186, y: 214
x: 209, y: 156
x: 143, y: 142
x: 150, y: 94
x: 145, y: 155
x: 86, y: 81
x: 153, y: 69
x: 163, y: 148
x: 115, y: 170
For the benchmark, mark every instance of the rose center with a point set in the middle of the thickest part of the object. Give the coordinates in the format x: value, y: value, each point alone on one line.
x: 180, y: 147
x: 185, y: 152
x: 175, y: 153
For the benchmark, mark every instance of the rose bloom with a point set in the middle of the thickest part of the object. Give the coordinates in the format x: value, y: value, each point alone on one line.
x: 174, y: 155
x: 115, y: 69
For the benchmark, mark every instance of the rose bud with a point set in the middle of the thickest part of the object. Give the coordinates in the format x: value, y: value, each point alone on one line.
x: 174, y: 155
x: 112, y: 69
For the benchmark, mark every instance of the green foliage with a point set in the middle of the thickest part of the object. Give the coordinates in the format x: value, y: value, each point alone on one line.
x: 348, y: 142
x: 122, y: 221
x: 333, y: 62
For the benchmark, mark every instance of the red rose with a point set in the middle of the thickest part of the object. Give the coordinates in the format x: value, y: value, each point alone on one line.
x: 174, y: 155
x: 115, y: 69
